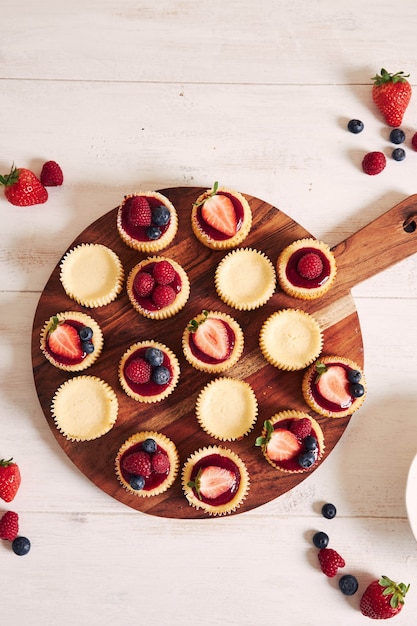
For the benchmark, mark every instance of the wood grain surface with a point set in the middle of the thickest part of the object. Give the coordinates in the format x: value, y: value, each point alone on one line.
x: 275, y: 390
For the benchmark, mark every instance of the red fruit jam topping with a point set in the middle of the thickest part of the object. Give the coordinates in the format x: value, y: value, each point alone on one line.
x: 156, y: 477
x: 214, y: 233
x: 223, y: 463
x: 136, y: 231
x: 149, y: 388
x: 346, y: 398
x: 204, y: 356
x: 315, y: 278
x: 149, y: 303
x: 66, y: 360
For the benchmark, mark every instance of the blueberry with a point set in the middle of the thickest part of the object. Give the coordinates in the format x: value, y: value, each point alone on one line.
x: 149, y: 445
x: 310, y: 442
x: 398, y: 154
x: 161, y: 215
x: 153, y: 232
x: 21, y: 546
x: 397, y: 135
x: 307, y: 459
x: 355, y: 126
x: 154, y: 356
x: 85, y: 333
x: 354, y: 376
x: 357, y: 390
x: 137, y: 482
x: 348, y: 584
x: 328, y: 510
x: 160, y: 375
x: 321, y: 540
x: 87, y: 347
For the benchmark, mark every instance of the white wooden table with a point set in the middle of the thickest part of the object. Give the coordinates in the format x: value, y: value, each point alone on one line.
x: 131, y: 94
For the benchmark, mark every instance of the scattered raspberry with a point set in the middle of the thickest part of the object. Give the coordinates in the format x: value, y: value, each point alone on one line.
x: 143, y: 284
x: 414, y: 142
x: 163, y: 273
x: 373, y: 163
x: 51, y: 174
x: 330, y: 561
x: 9, y: 526
x: 138, y: 463
x: 139, y: 211
x: 301, y: 428
x: 160, y: 463
x: 310, y: 266
x: 139, y: 371
x: 163, y: 295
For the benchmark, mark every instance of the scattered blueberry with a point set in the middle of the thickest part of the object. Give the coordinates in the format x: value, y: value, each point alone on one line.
x: 153, y: 232
x: 87, y: 347
x: 310, y: 442
x: 161, y: 215
x: 357, y: 390
x: 149, y: 445
x: 21, y: 546
x: 321, y: 540
x: 355, y: 126
x: 154, y: 356
x: 307, y: 459
x: 137, y: 482
x: 348, y: 584
x: 398, y: 154
x: 161, y: 375
x: 354, y: 376
x: 85, y: 333
x: 397, y: 135
x: 328, y: 510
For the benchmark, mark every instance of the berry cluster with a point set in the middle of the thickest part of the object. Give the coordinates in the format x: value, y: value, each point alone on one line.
x: 142, y: 370
x: 157, y: 284
x: 142, y: 464
x: 153, y: 219
x: 10, y: 480
x: 303, y: 431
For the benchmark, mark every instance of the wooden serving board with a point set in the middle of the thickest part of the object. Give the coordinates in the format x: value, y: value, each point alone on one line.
x: 374, y: 248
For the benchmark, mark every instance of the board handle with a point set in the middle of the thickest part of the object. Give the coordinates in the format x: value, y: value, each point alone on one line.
x: 377, y: 246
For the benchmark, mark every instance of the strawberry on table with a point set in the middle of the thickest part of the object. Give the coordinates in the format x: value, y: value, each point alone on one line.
x: 51, y: 174
x: 10, y: 479
x: 9, y: 526
x: 23, y: 188
x: 383, y: 598
x: 391, y: 93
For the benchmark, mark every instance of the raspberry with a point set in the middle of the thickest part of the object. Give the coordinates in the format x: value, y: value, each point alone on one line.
x: 138, y: 463
x: 414, y: 142
x: 138, y: 210
x: 144, y: 284
x: 163, y: 273
x: 163, y: 295
x: 51, y: 174
x: 139, y: 371
x: 310, y: 266
x: 160, y: 463
x: 9, y: 526
x: 330, y: 561
x: 301, y: 428
x: 373, y: 163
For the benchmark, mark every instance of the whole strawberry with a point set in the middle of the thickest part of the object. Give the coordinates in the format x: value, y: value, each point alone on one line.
x: 330, y: 561
x: 51, y: 174
x: 383, y: 598
x: 9, y: 526
x: 9, y: 479
x: 391, y: 94
x: 22, y: 188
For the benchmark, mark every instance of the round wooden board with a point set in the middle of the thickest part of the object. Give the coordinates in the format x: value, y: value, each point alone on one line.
x: 122, y: 326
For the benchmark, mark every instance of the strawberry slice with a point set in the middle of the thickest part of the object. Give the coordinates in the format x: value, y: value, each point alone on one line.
x: 283, y: 445
x: 333, y: 385
x: 65, y: 341
x: 219, y: 213
x: 212, y: 339
x: 214, y: 481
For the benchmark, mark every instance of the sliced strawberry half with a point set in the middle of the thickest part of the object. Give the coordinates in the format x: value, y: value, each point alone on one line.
x: 218, y: 211
x: 214, y: 481
x: 64, y: 341
x: 283, y: 445
x: 333, y: 385
x: 212, y: 339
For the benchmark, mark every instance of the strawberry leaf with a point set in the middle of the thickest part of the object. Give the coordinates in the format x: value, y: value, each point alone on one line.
x: 266, y: 436
x: 208, y: 195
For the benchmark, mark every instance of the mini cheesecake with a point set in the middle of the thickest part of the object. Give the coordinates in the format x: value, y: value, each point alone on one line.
x: 212, y: 342
x: 215, y: 480
x: 292, y: 441
x: 71, y: 341
x: 149, y: 371
x: 158, y: 287
x: 334, y: 386
x: 306, y: 269
x: 221, y: 218
x: 147, y: 221
x: 147, y: 464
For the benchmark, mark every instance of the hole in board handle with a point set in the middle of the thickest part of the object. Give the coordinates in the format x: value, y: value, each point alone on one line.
x: 410, y: 224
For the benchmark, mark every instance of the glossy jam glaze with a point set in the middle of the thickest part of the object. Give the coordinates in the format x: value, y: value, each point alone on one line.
x: 218, y: 460
x: 292, y: 465
x: 205, y: 358
x: 139, y: 232
x: 62, y: 359
x: 295, y: 277
x: 152, y: 481
x: 150, y: 388
x: 323, y: 402
x: 146, y: 303
x: 213, y: 233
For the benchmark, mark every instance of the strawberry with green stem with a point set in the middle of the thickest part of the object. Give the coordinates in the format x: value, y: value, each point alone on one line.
x: 391, y: 93
x: 217, y: 211
x: 22, y: 187
x: 383, y: 598
x: 10, y: 479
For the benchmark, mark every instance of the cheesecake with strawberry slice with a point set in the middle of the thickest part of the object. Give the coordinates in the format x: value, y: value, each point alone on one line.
x: 292, y: 441
x: 212, y: 342
x: 334, y: 386
x: 215, y: 480
x: 71, y: 341
x: 306, y: 269
x: 221, y: 218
